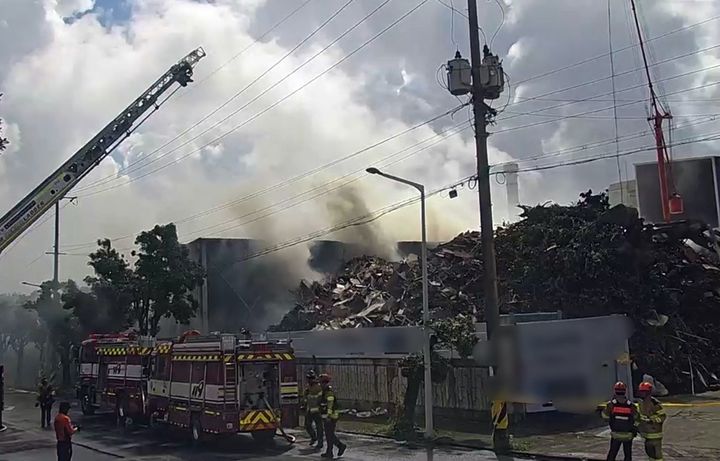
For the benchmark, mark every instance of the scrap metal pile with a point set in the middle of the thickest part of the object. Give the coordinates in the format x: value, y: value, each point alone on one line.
x: 585, y: 260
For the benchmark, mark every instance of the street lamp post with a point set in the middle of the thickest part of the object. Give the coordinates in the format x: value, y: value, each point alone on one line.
x: 425, y: 300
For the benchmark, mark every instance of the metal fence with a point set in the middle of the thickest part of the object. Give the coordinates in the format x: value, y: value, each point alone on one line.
x: 365, y: 383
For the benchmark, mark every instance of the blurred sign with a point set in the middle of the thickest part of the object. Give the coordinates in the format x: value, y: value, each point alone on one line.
x: 357, y: 342
x: 566, y: 360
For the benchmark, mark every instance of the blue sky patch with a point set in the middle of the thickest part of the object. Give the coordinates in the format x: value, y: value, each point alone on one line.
x: 109, y: 12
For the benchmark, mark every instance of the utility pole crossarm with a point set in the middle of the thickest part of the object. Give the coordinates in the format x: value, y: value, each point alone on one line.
x: 59, y: 183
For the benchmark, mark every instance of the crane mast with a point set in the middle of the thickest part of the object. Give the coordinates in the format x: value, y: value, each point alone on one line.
x: 670, y: 203
x: 59, y: 183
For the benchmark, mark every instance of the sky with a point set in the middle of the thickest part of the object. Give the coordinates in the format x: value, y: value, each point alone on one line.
x: 295, y: 98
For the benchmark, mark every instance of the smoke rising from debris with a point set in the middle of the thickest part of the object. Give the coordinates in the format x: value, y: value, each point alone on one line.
x: 348, y: 204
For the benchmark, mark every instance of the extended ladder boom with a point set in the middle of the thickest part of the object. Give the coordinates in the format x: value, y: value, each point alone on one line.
x: 54, y: 188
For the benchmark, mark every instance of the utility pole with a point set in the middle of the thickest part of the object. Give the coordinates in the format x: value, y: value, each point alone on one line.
x: 482, y: 113
x: 56, y: 251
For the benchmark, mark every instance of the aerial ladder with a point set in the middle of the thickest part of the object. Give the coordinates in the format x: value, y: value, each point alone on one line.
x: 58, y: 184
x: 670, y: 200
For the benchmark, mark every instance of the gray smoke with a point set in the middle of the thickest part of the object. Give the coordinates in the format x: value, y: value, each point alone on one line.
x: 347, y: 204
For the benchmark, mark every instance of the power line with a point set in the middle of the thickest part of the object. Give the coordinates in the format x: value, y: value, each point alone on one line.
x: 708, y: 137
x: 272, y: 106
x: 373, y: 216
x: 615, y: 112
x: 565, y: 117
x: 320, y: 191
x: 228, y: 101
x: 503, y: 118
x: 502, y: 22
x: 457, y: 130
x: 253, y: 43
x: 461, y: 13
x: 98, y: 183
x: 537, y: 168
x: 357, y: 221
x: 311, y: 172
x: 600, y: 143
x: 600, y: 56
x: 602, y: 79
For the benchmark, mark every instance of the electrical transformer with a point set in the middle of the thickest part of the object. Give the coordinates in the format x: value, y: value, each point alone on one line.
x: 459, y: 75
x: 492, y: 77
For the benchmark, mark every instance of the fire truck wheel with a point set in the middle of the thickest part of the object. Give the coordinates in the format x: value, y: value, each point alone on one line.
x: 263, y: 437
x: 196, y: 432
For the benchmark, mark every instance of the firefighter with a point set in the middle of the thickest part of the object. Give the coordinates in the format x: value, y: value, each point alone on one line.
x: 652, y: 416
x: 622, y: 415
x: 64, y: 431
x: 312, y: 396
x: 330, y: 415
x: 45, y: 400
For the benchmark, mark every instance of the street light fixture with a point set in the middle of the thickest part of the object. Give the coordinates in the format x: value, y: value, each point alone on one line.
x: 31, y: 284
x: 426, y: 310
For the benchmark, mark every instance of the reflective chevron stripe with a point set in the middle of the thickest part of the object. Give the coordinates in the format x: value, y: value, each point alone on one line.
x: 122, y: 350
x: 269, y: 356
x: 163, y: 348
x: 197, y: 358
x: 256, y: 420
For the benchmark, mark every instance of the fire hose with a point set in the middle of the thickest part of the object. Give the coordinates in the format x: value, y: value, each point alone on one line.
x: 276, y: 419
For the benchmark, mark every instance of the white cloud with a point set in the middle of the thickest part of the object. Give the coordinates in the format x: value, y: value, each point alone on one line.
x: 67, y: 8
x: 65, y: 81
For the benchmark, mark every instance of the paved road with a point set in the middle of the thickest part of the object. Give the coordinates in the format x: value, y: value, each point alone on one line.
x: 100, y: 440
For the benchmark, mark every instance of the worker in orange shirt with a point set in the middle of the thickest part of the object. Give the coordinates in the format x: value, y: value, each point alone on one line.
x: 64, y: 431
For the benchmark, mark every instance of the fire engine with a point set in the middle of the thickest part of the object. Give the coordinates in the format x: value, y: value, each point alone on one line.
x: 222, y: 384
x: 215, y: 384
x: 113, y: 376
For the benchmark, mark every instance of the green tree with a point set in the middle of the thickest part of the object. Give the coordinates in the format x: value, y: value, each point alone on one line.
x: 25, y: 323
x: 457, y: 334
x: 6, y: 308
x: 61, y: 326
x: 112, y: 284
x: 163, y: 280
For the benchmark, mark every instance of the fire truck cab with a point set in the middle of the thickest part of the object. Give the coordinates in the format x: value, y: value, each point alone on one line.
x: 113, y: 371
x: 222, y: 384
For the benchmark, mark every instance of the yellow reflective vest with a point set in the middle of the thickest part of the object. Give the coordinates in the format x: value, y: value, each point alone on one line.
x: 652, y: 417
x: 329, y: 405
x: 313, y: 394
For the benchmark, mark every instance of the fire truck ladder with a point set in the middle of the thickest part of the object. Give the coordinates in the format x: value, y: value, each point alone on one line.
x: 59, y: 183
x: 230, y: 390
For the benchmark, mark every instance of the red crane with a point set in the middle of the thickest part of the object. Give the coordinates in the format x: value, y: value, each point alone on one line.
x: 670, y: 200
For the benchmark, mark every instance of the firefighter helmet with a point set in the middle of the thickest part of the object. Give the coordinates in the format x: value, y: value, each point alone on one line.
x: 324, y: 378
x: 311, y: 375
x: 645, y: 388
x: 620, y: 388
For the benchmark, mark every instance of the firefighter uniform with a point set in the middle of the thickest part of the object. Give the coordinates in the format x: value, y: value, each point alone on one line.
x: 652, y: 416
x: 330, y: 414
x: 622, y: 416
x: 313, y: 418
x: 45, y: 400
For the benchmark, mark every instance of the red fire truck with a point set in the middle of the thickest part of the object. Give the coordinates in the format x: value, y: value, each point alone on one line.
x: 113, y: 376
x: 221, y: 384
x: 216, y: 384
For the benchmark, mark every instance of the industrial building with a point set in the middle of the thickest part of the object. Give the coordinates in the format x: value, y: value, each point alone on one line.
x: 243, y: 290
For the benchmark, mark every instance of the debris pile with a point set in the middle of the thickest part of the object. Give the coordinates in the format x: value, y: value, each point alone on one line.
x: 585, y: 260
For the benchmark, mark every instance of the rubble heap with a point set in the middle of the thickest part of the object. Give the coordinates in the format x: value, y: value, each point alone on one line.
x: 584, y: 260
